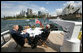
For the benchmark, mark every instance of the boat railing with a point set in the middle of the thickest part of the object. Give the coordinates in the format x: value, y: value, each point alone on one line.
x: 5, y: 37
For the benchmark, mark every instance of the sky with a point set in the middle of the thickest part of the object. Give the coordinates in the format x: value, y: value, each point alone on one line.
x: 11, y: 8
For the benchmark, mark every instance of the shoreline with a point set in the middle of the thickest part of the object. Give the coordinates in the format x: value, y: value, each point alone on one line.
x: 19, y: 19
x: 23, y: 19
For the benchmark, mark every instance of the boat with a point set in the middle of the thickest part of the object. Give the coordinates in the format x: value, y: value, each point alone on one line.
x: 58, y: 18
x: 27, y: 20
x: 55, y: 42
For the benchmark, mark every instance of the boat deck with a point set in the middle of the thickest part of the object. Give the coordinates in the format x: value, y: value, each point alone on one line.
x: 55, y: 40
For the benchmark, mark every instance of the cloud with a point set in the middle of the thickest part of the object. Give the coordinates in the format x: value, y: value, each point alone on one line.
x: 9, y: 13
x: 11, y: 9
x: 53, y: 14
x: 59, y: 11
x: 43, y: 9
x: 69, y: 2
x: 8, y: 9
x: 73, y: 3
x: 47, y: 2
x: 6, y: 5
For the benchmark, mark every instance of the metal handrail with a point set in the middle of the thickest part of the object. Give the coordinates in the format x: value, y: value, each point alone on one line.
x: 4, y: 32
x: 2, y: 35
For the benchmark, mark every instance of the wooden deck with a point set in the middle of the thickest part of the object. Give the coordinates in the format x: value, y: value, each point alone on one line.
x: 55, y: 41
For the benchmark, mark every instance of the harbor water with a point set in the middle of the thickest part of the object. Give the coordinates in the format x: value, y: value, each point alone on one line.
x: 7, y: 24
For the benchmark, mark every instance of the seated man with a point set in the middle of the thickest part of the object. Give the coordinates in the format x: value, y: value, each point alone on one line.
x: 20, y: 28
x: 53, y: 27
x: 16, y: 30
x: 43, y: 36
x: 46, y: 32
x: 30, y: 39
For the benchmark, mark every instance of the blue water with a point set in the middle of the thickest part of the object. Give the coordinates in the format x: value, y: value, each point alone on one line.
x: 7, y: 24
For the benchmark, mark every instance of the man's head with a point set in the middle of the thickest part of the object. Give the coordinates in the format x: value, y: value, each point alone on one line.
x: 47, y: 26
x: 16, y: 27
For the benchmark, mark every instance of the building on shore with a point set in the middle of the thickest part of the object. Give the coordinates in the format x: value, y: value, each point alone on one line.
x: 43, y: 14
x: 23, y: 13
x: 70, y: 12
x: 29, y: 12
x: 39, y: 13
x: 47, y: 15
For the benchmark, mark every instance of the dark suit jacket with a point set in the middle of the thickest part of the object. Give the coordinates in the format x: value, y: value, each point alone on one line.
x: 17, y: 37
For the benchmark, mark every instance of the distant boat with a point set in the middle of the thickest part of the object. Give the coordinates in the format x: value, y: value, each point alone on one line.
x: 58, y: 18
x: 27, y: 20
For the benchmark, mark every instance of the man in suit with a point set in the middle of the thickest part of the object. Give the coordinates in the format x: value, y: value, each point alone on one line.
x: 15, y: 31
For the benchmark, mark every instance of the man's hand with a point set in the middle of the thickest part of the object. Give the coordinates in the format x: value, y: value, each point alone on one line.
x: 24, y: 31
